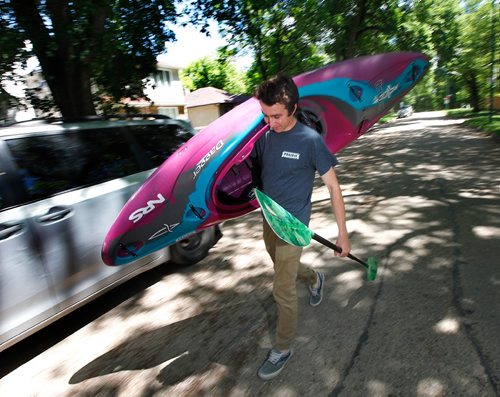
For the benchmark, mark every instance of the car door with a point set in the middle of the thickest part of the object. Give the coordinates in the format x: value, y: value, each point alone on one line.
x: 77, y: 182
x: 27, y: 296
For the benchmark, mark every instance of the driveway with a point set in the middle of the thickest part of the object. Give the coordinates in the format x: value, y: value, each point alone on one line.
x: 422, y: 195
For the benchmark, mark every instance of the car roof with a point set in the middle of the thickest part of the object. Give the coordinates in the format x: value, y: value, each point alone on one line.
x: 49, y: 126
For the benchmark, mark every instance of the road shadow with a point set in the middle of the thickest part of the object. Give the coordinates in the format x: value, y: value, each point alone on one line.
x: 223, y: 337
x: 426, y: 201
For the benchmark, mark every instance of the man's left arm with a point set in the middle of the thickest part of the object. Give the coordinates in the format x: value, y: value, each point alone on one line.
x: 337, y: 200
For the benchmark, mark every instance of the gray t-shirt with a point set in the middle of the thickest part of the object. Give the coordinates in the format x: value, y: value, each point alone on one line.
x: 288, y: 163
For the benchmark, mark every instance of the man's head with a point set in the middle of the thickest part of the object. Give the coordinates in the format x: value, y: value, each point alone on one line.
x: 278, y: 99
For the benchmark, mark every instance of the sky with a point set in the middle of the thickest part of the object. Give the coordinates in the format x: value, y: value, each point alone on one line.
x: 191, y: 45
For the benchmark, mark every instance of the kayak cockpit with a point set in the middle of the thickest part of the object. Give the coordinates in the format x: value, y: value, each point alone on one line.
x: 235, y: 187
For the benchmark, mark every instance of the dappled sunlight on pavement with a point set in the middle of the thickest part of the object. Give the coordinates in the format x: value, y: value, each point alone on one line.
x: 422, y: 195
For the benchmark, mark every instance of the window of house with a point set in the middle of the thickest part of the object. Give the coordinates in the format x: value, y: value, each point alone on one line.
x: 168, y: 111
x: 163, y: 77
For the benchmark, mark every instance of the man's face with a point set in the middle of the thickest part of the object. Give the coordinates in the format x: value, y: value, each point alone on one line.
x: 278, y: 117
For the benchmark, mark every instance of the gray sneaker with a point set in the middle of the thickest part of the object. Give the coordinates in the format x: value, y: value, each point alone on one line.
x: 274, y: 364
x: 317, y: 293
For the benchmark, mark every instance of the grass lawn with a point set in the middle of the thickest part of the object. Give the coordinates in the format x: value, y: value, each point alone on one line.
x: 479, y: 120
x: 388, y: 117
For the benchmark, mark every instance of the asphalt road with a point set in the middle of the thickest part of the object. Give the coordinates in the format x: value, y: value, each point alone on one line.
x: 422, y: 195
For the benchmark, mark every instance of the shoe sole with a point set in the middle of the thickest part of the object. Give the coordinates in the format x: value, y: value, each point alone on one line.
x: 317, y: 303
x: 275, y: 374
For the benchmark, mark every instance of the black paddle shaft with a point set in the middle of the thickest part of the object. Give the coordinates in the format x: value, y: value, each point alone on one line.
x: 336, y: 248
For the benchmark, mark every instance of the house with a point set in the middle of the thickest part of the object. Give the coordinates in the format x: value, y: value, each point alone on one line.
x: 13, y: 101
x: 207, y: 104
x: 164, y: 91
x: 8, y: 107
x: 165, y: 95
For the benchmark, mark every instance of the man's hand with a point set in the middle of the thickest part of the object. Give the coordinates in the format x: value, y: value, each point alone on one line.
x: 344, y: 244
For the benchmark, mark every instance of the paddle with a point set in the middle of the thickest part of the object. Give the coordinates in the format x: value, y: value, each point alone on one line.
x: 294, y: 232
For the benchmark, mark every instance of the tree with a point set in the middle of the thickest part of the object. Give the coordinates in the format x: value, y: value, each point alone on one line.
x: 277, y: 32
x: 81, y: 44
x: 475, y: 49
x: 295, y: 36
x: 360, y: 27
x: 219, y: 73
x: 432, y: 28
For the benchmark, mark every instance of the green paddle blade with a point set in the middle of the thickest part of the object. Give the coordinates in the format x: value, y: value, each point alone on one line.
x: 285, y: 225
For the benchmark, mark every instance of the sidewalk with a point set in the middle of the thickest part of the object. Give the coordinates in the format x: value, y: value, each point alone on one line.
x: 422, y: 195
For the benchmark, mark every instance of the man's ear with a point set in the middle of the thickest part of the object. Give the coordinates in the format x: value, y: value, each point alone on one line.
x: 294, y: 109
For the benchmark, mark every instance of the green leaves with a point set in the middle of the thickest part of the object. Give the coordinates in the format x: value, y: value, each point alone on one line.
x: 112, y: 46
x: 219, y: 73
x: 85, y: 43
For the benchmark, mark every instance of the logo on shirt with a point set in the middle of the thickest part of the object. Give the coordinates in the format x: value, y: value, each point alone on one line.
x: 290, y: 155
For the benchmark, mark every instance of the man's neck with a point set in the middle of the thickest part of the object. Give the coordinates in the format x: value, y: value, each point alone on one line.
x: 292, y: 124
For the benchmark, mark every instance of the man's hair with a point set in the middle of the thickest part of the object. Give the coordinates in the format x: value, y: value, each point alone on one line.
x: 278, y: 89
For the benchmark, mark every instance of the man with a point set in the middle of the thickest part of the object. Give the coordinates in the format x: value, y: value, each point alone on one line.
x: 288, y: 156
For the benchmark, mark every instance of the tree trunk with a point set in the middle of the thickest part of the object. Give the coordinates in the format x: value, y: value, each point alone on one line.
x: 71, y: 88
x: 66, y: 73
x: 351, y: 30
x: 472, y: 86
x: 354, y: 29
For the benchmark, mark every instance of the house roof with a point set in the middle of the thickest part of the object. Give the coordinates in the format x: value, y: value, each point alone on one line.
x: 211, y: 95
x: 165, y: 61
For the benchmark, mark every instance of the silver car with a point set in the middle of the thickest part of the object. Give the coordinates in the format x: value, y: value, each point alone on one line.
x: 405, y: 111
x: 61, y: 187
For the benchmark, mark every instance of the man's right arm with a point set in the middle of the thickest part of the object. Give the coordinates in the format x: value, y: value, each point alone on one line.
x: 331, y: 182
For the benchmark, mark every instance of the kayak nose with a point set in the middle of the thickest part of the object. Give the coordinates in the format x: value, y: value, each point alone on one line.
x: 129, y: 249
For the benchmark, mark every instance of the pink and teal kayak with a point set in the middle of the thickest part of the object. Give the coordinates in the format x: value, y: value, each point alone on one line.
x: 209, y: 178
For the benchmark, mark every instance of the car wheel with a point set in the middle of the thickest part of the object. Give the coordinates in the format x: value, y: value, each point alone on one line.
x: 194, y: 248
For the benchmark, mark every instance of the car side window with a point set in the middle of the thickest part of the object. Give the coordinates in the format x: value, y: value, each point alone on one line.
x: 52, y: 164
x: 159, y: 141
x: 3, y: 191
x: 9, y: 192
x: 108, y: 156
x: 44, y: 163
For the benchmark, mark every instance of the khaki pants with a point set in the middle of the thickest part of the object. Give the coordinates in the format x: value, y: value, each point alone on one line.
x: 287, y: 270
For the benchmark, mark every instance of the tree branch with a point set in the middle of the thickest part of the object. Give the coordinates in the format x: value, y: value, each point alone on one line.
x: 31, y: 22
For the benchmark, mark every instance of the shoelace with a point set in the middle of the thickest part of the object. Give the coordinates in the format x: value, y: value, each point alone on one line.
x: 275, y: 356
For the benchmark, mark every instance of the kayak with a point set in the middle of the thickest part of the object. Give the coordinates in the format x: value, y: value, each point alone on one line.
x: 209, y: 178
